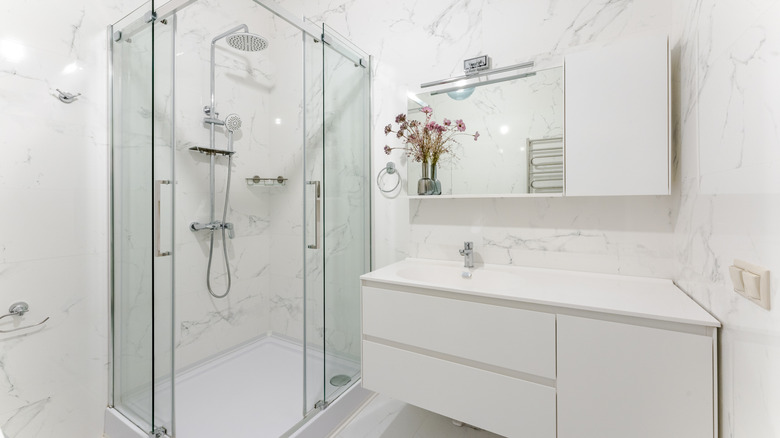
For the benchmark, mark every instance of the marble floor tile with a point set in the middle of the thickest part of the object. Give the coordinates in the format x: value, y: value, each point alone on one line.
x: 389, y: 418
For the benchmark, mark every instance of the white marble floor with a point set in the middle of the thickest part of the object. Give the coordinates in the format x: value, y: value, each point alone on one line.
x: 388, y: 418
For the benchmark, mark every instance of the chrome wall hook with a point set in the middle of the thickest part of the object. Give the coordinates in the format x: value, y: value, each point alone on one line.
x: 66, y: 97
x: 19, y: 309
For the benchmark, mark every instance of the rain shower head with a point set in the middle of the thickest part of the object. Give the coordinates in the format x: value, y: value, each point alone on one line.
x: 247, y: 42
x: 232, y: 122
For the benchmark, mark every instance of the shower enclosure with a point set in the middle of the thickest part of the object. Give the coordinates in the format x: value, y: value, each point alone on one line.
x: 242, y: 321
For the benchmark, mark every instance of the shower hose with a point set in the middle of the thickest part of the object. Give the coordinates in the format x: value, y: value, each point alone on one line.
x: 224, y: 240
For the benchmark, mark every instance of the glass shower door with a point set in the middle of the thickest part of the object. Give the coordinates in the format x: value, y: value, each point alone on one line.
x: 337, y: 212
x: 140, y: 228
x: 346, y: 214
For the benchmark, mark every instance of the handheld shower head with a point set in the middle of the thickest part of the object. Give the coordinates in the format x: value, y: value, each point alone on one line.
x: 232, y: 123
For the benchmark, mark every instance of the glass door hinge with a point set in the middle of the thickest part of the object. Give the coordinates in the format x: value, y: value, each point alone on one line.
x: 158, y: 432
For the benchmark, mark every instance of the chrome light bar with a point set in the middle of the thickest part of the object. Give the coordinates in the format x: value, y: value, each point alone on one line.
x: 492, y: 71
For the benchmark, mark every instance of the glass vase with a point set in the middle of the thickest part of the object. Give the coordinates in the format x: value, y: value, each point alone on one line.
x: 426, y: 185
x: 436, y: 182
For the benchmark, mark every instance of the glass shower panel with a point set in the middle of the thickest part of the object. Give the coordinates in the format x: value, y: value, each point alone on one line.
x: 162, y: 221
x: 312, y: 217
x: 346, y: 214
x: 131, y: 209
x: 240, y: 358
x: 141, y: 221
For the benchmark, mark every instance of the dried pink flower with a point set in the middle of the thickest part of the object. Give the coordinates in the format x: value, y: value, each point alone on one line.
x: 426, y: 140
x: 476, y: 135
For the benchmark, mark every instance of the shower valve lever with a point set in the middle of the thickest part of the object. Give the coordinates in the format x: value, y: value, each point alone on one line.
x: 231, y: 230
x: 214, y: 226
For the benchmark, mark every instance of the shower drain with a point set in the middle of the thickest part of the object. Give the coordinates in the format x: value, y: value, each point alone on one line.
x: 340, y: 380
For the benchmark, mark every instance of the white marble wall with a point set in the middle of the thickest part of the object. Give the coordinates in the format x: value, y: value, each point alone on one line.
x: 727, y: 206
x: 416, y: 42
x: 53, y: 231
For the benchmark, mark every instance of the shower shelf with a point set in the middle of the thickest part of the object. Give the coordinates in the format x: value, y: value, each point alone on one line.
x: 257, y: 181
x: 210, y: 151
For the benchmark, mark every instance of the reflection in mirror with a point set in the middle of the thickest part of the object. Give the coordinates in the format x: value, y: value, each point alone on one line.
x: 520, y: 148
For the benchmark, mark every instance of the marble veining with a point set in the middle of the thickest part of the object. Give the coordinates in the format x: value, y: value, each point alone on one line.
x: 23, y: 419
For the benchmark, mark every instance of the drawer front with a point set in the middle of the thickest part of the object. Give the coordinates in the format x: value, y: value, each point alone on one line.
x: 647, y: 382
x: 516, y: 339
x: 501, y: 404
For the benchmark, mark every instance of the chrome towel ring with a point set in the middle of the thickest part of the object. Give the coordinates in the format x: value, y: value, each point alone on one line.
x: 390, y: 170
x: 19, y: 309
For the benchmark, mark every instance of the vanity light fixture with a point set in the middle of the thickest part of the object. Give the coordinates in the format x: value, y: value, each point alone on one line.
x: 476, y: 68
x: 461, y: 93
x: 492, y: 71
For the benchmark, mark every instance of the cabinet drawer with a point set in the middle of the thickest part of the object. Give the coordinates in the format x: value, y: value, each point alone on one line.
x: 517, y: 339
x: 498, y: 403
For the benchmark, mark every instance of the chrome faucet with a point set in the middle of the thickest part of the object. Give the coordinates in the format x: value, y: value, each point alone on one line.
x: 468, y: 253
x: 214, y: 226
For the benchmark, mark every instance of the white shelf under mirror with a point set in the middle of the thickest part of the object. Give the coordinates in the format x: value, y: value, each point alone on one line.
x: 489, y: 196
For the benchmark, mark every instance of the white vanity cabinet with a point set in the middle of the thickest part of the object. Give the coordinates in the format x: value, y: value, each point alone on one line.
x: 617, y: 119
x: 561, y: 354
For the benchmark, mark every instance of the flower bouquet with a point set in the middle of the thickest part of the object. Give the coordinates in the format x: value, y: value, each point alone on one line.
x: 426, y: 142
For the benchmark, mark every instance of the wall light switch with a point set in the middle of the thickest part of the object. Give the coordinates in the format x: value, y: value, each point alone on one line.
x: 752, y: 284
x: 751, y: 281
x: 736, y: 278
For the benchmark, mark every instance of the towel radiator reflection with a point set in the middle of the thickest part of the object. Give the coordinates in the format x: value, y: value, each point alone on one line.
x: 545, y: 165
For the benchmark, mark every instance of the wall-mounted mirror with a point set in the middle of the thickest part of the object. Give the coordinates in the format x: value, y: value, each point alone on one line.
x: 520, y: 147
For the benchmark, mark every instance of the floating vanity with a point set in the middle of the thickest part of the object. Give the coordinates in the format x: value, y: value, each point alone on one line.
x: 526, y: 352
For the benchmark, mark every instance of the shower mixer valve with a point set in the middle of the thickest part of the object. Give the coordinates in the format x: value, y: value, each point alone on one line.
x: 214, y: 226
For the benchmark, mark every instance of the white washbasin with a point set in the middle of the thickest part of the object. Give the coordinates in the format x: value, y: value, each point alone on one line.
x: 480, y: 278
x: 653, y: 298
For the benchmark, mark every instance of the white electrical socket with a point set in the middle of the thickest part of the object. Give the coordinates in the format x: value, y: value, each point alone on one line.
x: 751, y: 281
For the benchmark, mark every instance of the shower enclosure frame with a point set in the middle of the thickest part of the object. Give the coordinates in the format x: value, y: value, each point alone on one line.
x: 310, y: 30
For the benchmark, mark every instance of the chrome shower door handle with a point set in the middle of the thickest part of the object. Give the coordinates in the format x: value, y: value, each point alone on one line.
x: 156, y: 201
x: 317, y: 214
